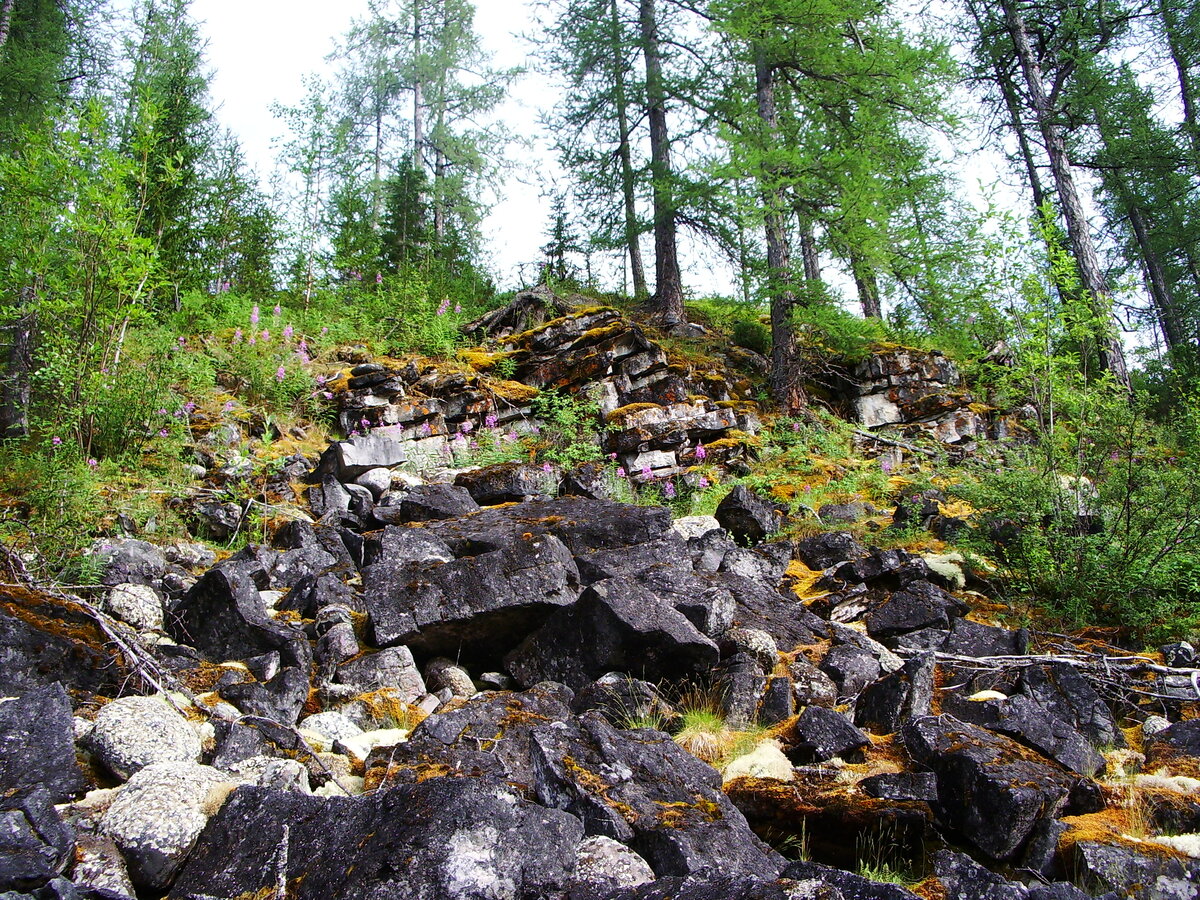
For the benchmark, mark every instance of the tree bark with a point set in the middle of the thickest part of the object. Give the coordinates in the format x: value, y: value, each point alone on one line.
x: 621, y: 101
x: 418, y: 87
x: 14, y: 399
x: 808, y: 250
x: 786, y: 385
x: 1156, y: 280
x: 867, y: 285
x: 1111, y: 353
x: 6, y: 12
x: 668, y: 287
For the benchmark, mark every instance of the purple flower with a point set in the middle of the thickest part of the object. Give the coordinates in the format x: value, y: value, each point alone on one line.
x: 287, y: 332
x: 325, y: 330
x: 489, y: 421
x: 547, y: 468
x: 93, y: 463
x: 162, y: 412
x: 445, y: 305
x: 646, y: 473
x: 795, y: 426
x: 237, y: 336
x: 511, y: 437
x: 328, y: 395
x: 613, y: 457
x: 460, y: 438
x: 620, y: 471
x: 426, y: 428
x: 56, y: 440
x: 189, y: 407
x: 466, y: 427
x: 457, y: 308
x: 669, y: 490
x: 163, y: 432
x: 320, y: 379
x: 277, y: 312
x: 254, y: 315
x: 379, y: 278
x: 303, y: 347
x: 700, y: 451
x: 182, y: 342
x: 266, y: 335
x: 702, y: 483
x: 886, y: 465
x: 280, y: 373
x: 229, y: 405
x: 253, y: 340
x: 365, y: 423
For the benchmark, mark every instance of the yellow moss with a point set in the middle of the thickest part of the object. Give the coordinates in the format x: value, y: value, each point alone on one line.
x: 678, y: 814
x: 481, y: 360
x: 803, y: 579
x: 593, y: 784
x: 525, y: 337
x: 513, y: 391
x: 956, y: 509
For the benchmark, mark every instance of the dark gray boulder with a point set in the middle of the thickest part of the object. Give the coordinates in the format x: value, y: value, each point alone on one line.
x: 748, y: 517
x: 224, y: 617
x: 279, y: 699
x: 991, y: 790
x: 37, y: 744
x: 400, y: 546
x: 1136, y: 873
x: 35, y: 844
x: 475, y: 605
x: 453, y: 838
x: 624, y: 700
x: 969, y: 638
x: 919, y: 605
x: 821, y: 551
x: 1062, y: 691
x: 616, y: 625
x: 642, y: 789
x: 848, y: 885
x: 425, y: 503
x: 965, y: 879
x: 886, y: 704
x: 508, y: 483
x: 851, y: 668
x: 920, y: 786
x: 128, y: 561
x: 820, y: 734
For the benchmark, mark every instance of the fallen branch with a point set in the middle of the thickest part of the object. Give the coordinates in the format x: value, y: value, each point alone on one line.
x: 891, y: 442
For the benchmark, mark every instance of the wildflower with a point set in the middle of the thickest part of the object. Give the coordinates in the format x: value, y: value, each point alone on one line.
x: 460, y: 438
x: 613, y: 457
x: 254, y: 315
x: 808, y: 489
x: 365, y: 423
x: 457, y: 309
x: 162, y: 412
x: 328, y: 395
x: 669, y: 490
x: 237, y: 336
x: 280, y: 373
x: 426, y: 429
x: 646, y: 473
x: 287, y: 333
x: 253, y: 340
x: 795, y: 426
x: 182, y: 341
x: 445, y: 305
x: 620, y: 471
x: 466, y: 427
x: 489, y: 421
x: 266, y: 335
x: 189, y: 407
x: 93, y: 462
x: 229, y: 405
x: 325, y: 330
x: 163, y: 432
x: 700, y: 451
x: 886, y: 465
x: 547, y: 468
x: 511, y: 437
x: 379, y: 278
x: 320, y: 379
x: 56, y: 440
x: 304, y: 357
x: 702, y: 483
x: 303, y: 347
x: 277, y: 312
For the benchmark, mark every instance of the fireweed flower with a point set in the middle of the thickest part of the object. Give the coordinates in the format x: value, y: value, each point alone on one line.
x: 365, y: 423
x: 426, y: 428
x: 280, y: 373
x: 379, y: 278
x: 56, y: 440
x: 328, y: 395
x: 163, y: 432
x: 646, y: 473
x: 489, y: 421
x: 93, y: 463
x: 669, y: 490
x: 237, y: 336
x: 466, y: 427
x: 700, y: 451
x: 886, y: 465
x: 266, y: 335
x: 277, y: 312
x: 702, y: 483
x: 457, y: 308
x: 254, y: 315
x: 620, y: 471
x: 547, y: 468
x: 287, y: 332
x: 253, y: 340
x: 229, y: 405
x: 445, y: 305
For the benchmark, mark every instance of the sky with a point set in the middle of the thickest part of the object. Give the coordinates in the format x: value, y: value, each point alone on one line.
x: 260, y: 50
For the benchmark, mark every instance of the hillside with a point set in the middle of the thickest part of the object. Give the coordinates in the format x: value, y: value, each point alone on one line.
x: 574, y: 613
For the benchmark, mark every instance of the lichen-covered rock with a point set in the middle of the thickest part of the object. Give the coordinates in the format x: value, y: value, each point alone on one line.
x: 37, y: 744
x: 820, y: 734
x: 128, y: 561
x: 442, y: 673
x: 747, y: 516
x: 426, y: 502
x: 767, y: 760
x: 134, y: 732
x: 603, y: 865
x: 332, y: 726
x: 886, y: 704
x: 137, y: 604
x: 1141, y: 873
x: 451, y: 838
x: 158, y: 815
x: 753, y: 641
x: 99, y: 866
x: 392, y: 668
x: 508, y: 483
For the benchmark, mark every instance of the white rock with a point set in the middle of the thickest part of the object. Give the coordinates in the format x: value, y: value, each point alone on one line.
x: 1181, y: 784
x: 359, y: 747
x: 601, y: 862
x: 1153, y: 725
x: 1188, y: 844
x: 134, y: 732
x: 333, y: 726
x: 375, y: 480
x: 444, y: 673
x: 270, y: 598
x: 689, y: 527
x: 767, y: 760
x: 951, y: 566
x: 137, y: 604
x: 983, y: 696
x: 158, y: 816
x: 100, y: 866
x: 345, y: 786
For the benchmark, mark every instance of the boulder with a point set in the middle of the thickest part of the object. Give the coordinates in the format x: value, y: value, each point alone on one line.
x: 603, y: 865
x: 37, y: 744
x: 969, y: 638
x: 739, y: 682
x: 910, y: 786
x: 848, y: 885
x: 1140, y: 873
x: 991, y: 790
x: 158, y: 815
x: 642, y: 789
x: 509, y: 482
x: 400, y: 546
x: 919, y: 605
x: 35, y: 844
x: 349, y: 459
x: 424, y: 503
x: 886, y: 704
x: 748, y: 517
x: 131, y: 733
x: 821, y: 734
x: 1063, y: 692
x: 224, y: 617
x: 624, y: 701
x: 137, y: 604
x: 313, y: 593
x: 617, y: 625
x: 811, y: 685
x: 851, y: 668
x: 128, y: 561
x: 823, y: 551
x: 99, y: 867
x: 452, y: 838
x: 390, y: 668
x: 476, y: 605
x: 279, y: 698
x: 966, y: 879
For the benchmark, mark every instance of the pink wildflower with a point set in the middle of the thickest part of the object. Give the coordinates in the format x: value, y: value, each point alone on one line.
x: 702, y: 483
x: 620, y: 471
x: 547, y: 468
x: 700, y: 451
x: 379, y: 278
x: 489, y: 421
x: 669, y: 490
x: 163, y: 432
x: 287, y: 332
x: 277, y: 312
x: 266, y: 335
x: 56, y: 440
x: 646, y: 473
x: 237, y: 336
x: 254, y: 315
x: 93, y: 463
x: 280, y: 373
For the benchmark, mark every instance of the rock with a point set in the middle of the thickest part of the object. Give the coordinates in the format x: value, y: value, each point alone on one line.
x: 128, y: 561
x: 919, y: 605
x: 224, y: 617
x: 508, y: 483
x: 375, y: 480
x: 811, y: 685
x: 99, y: 866
x: 766, y: 563
x: 443, y: 673
x: 990, y: 789
x: 616, y: 625
x: 911, y: 786
x: 603, y: 865
x: 312, y: 593
x: 739, y: 682
x: 638, y: 561
x: 158, y: 815
x: 778, y: 701
x: 643, y: 790
x: 966, y: 879
x: 1134, y: 872
x: 279, y: 699
x: 848, y: 885
x: 293, y: 566
x: 452, y: 838
x: 217, y: 520
x: 1178, y: 655
x: 1063, y: 692
x: 35, y: 844
x: 347, y: 460
x: 822, y: 551
x: 851, y: 669
x: 1154, y: 725
x: 37, y: 744
x: 625, y: 702
x: 748, y: 517
x: 594, y: 480
x: 332, y: 726
x: 767, y: 760
x: 137, y: 604
x: 472, y: 605
x: 358, y: 747
x: 45, y: 640
x: 886, y: 704
x: 425, y: 503
x: 134, y: 732
x: 689, y: 527
x: 236, y: 743
x: 821, y: 734
x: 706, y: 600
x: 754, y: 642
x: 391, y: 668
x: 845, y: 513
x: 969, y: 638
x: 401, y: 546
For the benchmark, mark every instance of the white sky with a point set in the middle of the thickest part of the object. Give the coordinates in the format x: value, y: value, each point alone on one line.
x: 260, y: 50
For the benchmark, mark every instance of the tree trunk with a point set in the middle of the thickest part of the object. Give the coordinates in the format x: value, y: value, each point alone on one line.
x: 1180, y: 58
x: 14, y: 399
x: 625, y: 153
x: 867, y: 285
x: 418, y: 116
x: 6, y: 12
x: 786, y: 385
x: 1156, y: 279
x: 808, y: 250
x: 668, y: 287
x: 1112, y: 354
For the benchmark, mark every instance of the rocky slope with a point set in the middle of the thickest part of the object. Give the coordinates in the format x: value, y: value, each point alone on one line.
x: 466, y: 686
